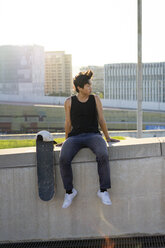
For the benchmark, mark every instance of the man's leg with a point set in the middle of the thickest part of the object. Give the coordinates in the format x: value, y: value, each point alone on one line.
x: 98, y: 145
x: 69, y: 149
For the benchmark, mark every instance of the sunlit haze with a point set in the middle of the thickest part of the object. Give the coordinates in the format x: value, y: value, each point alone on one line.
x: 95, y: 32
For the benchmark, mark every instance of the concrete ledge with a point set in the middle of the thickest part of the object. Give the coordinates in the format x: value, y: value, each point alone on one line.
x: 137, y: 194
x: 18, y: 157
x: 127, y: 149
x: 162, y: 141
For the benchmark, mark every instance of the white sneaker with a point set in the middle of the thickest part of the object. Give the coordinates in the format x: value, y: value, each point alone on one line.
x: 105, y: 198
x: 68, y: 198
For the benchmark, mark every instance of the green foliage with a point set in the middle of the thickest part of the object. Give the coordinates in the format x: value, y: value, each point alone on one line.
x: 13, y: 143
x: 101, y: 95
x: 118, y: 137
x: 59, y: 94
x: 5, y: 144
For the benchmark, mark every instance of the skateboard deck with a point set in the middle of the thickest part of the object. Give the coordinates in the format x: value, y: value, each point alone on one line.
x: 45, y: 169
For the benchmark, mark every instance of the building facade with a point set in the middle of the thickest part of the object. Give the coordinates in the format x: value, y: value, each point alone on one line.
x: 22, y: 70
x: 58, y: 73
x: 120, y: 82
x: 98, y: 77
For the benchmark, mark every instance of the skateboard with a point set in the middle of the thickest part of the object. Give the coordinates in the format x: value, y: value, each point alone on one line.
x: 45, y: 168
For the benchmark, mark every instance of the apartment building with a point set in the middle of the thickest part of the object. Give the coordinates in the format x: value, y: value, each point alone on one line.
x: 120, y: 82
x: 22, y: 70
x: 58, y: 73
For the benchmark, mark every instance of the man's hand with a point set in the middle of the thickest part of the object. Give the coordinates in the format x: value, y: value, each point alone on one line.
x: 60, y: 144
x: 112, y: 140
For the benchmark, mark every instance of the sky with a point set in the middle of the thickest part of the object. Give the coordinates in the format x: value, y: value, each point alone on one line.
x: 95, y: 32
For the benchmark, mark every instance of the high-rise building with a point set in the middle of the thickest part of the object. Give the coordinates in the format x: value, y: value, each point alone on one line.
x: 58, y: 73
x: 120, y: 82
x: 98, y: 77
x: 22, y: 70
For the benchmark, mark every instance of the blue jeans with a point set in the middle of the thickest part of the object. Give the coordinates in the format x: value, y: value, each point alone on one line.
x: 72, y: 145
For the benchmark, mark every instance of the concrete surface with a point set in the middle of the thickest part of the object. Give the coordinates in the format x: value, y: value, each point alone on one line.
x: 137, y: 194
x: 145, y: 134
x: 60, y: 101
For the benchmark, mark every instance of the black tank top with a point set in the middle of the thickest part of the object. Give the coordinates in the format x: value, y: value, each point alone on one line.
x: 83, y: 116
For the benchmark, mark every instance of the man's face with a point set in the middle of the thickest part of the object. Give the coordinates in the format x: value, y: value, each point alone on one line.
x: 87, y: 88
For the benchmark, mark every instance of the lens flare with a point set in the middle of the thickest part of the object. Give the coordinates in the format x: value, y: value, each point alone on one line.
x: 108, y: 243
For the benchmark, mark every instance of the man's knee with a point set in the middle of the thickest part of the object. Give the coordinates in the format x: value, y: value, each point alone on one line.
x: 102, y: 157
x: 64, y: 160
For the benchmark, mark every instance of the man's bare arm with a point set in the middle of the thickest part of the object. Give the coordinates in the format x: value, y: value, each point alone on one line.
x: 67, y: 106
x: 101, y: 120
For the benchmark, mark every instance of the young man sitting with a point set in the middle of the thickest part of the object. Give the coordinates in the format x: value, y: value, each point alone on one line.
x: 83, y: 113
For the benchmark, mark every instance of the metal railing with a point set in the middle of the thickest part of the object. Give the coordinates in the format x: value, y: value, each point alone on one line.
x: 124, y: 242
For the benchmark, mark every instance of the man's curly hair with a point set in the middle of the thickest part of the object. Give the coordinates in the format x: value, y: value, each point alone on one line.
x: 82, y: 78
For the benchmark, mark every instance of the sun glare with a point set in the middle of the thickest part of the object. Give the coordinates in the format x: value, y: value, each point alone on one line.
x: 94, y: 32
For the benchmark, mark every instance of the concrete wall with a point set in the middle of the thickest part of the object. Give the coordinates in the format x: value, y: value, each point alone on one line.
x: 160, y: 106
x: 137, y: 193
x: 133, y: 104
